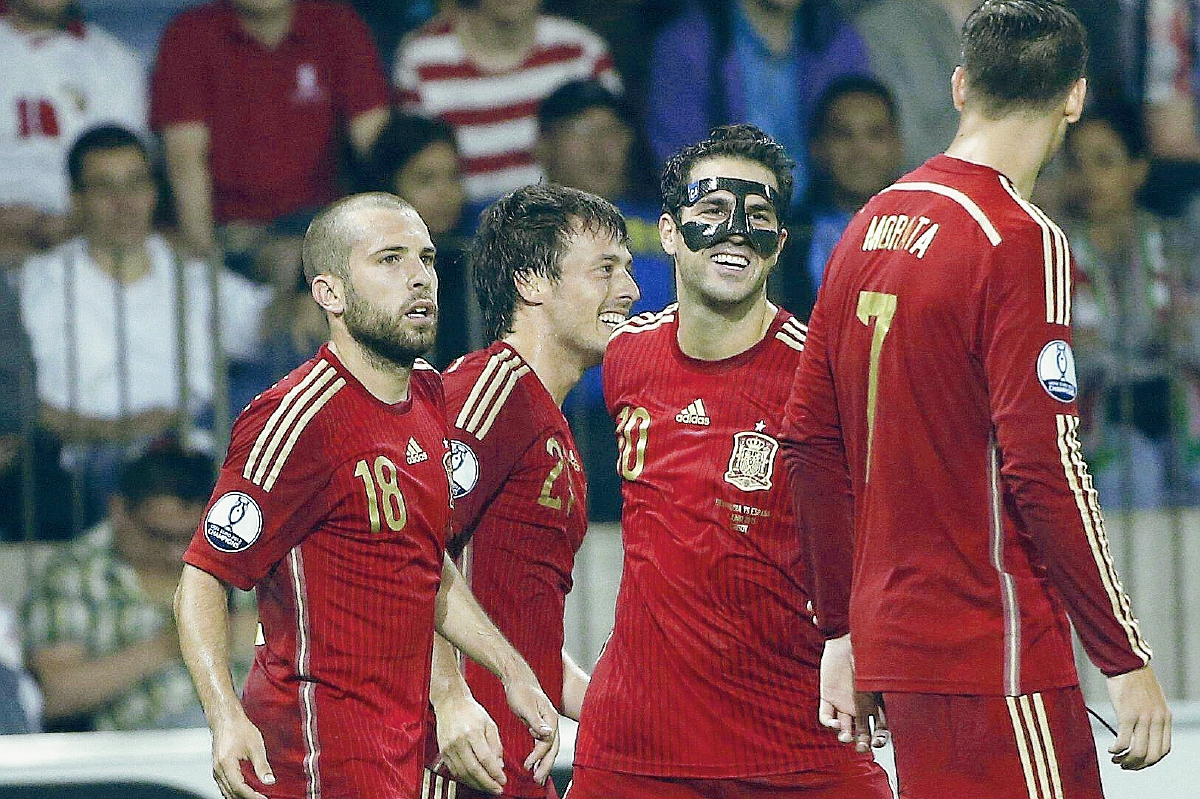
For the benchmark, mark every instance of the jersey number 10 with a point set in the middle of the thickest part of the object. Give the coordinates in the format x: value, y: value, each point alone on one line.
x: 633, y: 431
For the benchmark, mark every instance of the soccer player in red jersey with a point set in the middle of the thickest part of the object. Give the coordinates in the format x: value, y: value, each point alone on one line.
x: 932, y: 435
x: 551, y: 267
x: 334, y: 503
x: 707, y: 685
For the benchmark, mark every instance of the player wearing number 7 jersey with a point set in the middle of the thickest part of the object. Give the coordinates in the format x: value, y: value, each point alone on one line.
x: 933, y: 431
x: 333, y: 504
x: 551, y: 267
x: 708, y: 684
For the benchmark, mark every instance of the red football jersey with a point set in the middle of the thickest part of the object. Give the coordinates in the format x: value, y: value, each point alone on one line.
x: 711, y: 667
x: 940, y: 354
x: 334, y: 507
x: 520, y: 511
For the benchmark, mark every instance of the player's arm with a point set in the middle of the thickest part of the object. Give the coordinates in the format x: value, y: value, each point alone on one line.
x: 822, y: 495
x: 468, y: 740
x: 460, y: 619
x: 575, y: 684
x: 186, y: 147
x: 202, y: 616
x: 1028, y: 364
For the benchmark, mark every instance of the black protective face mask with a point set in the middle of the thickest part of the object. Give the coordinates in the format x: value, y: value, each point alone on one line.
x: 698, y: 235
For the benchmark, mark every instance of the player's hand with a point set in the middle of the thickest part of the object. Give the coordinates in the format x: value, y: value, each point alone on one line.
x: 533, y: 707
x: 469, y: 744
x: 843, y: 709
x: 236, y: 739
x: 1144, y: 734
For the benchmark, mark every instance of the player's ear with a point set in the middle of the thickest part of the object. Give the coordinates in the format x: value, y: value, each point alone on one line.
x: 667, y: 228
x: 329, y: 292
x: 1075, y: 99
x: 958, y: 88
x: 531, y: 287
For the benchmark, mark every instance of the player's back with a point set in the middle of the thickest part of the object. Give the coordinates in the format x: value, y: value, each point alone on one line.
x: 710, y: 670
x: 952, y: 597
x: 520, y: 516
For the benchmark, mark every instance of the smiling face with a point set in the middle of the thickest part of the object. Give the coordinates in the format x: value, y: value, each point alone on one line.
x: 389, y: 305
x: 731, y: 270
x: 592, y: 295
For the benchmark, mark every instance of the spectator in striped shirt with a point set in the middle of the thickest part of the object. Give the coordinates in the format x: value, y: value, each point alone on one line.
x: 485, y: 70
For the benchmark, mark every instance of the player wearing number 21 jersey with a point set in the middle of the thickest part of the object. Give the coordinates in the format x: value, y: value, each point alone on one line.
x: 551, y: 267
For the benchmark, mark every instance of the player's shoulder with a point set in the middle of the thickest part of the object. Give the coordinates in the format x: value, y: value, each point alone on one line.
x: 106, y: 45
x: 292, y: 402
x: 788, y: 333
x: 485, y: 385
x: 645, y: 327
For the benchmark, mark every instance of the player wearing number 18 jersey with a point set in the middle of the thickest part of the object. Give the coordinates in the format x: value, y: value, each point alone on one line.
x: 333, y: 504
x: 708, y: 685
x: 938, y: 392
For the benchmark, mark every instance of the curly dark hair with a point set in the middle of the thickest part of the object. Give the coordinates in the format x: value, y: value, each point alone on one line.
x: 525, y: 233
x: 734, y: 141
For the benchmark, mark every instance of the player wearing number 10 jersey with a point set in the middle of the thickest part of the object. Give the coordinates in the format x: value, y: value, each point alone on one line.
x: 708, y: 685
x: 934, y: 433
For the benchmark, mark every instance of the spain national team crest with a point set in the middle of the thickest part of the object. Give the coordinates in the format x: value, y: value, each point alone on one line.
x: 752, y: 461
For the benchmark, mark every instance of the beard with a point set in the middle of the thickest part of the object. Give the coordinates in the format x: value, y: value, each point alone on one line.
x: 384, y: 336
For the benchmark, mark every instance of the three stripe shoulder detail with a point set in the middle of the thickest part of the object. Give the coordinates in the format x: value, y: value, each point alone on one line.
x: 645, y: 322
x: 297, y: 408
x: 793, y: 333
x: 1056, y: 256
x: 491, y: 390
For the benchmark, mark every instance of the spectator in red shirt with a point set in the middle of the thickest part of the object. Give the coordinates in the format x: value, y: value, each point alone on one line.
x: 254, y: 99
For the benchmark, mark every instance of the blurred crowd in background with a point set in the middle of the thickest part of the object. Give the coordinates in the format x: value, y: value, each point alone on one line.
x: 160, y: 160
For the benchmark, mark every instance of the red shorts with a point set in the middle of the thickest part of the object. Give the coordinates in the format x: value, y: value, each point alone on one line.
x: 1034, y: 746
x: 857, y: 779
x: 437, y: 785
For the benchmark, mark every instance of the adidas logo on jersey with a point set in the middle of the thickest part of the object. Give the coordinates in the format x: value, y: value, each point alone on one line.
x: 694, y: 414
x: 415, y: 454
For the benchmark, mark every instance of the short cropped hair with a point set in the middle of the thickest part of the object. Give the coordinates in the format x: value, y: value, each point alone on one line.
x: 104, y: 137
x: 329, y: 238
x: 574, y: 98
x: 525, y: 234
x: 842, y: 87
x: 1022, y: 54
x: 735, y: 141
x: 167, y: 471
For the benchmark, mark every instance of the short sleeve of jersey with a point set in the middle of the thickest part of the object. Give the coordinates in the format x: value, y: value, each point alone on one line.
x: 483, y: 459
x: 1025, y: 342
x: 361, y: 84
x: 269, y: 497
x: 177, y: 91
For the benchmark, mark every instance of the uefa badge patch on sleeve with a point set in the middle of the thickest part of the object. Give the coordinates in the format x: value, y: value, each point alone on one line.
x: 234, y: 522
x: 464, y: 472
x: 1056, y: 371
